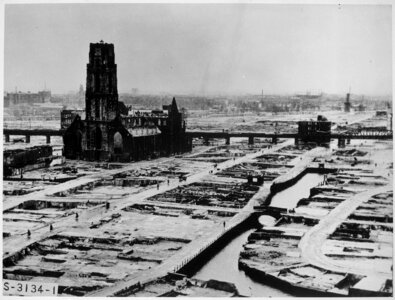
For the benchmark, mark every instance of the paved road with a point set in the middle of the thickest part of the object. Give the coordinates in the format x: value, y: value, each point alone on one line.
x: 312, y: 242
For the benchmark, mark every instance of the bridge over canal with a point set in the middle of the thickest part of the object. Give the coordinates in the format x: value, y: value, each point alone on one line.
x: 361, y: 134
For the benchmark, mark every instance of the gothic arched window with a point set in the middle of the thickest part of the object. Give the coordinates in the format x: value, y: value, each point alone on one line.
x: 118, y: 143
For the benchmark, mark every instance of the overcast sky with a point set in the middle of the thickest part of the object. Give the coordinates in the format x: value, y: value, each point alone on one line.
x: 203, y: 48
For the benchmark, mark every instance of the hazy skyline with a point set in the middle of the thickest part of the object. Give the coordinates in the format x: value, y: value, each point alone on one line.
x: 203, y: 48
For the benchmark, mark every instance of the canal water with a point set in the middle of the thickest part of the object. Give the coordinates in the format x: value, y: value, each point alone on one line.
x: 224, y: 267
x: 289, y: 197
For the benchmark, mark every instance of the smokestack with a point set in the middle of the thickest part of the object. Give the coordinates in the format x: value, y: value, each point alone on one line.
x: 347, y: 104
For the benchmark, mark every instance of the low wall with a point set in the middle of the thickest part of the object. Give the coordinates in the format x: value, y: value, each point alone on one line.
x: 293, y: 289
x: 198, y: 260
x: 10, y: 260
x: 54, y: 179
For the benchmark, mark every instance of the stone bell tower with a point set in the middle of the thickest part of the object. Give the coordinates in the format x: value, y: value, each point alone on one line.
x: 101, y: 101
x: 101, y: 97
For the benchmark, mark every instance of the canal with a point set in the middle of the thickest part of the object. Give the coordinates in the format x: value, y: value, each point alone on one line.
x: 290, y: 197
x: 224, y: 265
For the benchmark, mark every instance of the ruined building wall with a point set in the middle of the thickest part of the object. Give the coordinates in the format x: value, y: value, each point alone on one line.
x: 101, y: 101
x: 105, y: 134
x: 314, y: 131
x: 173, y: 132
x: 101, y: 97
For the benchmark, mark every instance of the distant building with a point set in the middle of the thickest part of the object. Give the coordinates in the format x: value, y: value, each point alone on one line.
x: 347, y: 104
x: 67, y: 117
x: 309, y: 96
x: 81, y: 92
x: 381, y: 113
x: 361, y: 107
x: 315, y: 131
x: 17, y: 161
x: 109, y: 132
x: 19, y: 98
x: 81, y: 96
x: 389, y: 115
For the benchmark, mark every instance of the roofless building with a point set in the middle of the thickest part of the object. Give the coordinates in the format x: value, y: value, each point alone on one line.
x: 109, y: 132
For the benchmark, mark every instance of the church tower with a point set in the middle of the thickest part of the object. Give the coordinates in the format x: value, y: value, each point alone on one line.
x: 101, y: 98
x: 108, y: 133
x: 101, y: 101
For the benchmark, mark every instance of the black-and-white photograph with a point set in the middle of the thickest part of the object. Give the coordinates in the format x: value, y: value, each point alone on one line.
x: 235, y: 149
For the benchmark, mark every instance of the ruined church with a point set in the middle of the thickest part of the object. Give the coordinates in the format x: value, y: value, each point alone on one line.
x: 110, y: 131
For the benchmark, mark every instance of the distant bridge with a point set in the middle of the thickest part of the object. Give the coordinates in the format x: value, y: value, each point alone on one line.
x: 370, y: 133
x: 32, y: 132
x: 362, y: 134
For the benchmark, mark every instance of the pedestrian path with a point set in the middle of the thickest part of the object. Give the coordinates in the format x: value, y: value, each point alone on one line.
x: 312, y: 242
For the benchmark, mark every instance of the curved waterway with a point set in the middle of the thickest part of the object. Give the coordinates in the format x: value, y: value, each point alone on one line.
x: 224, y: 267
x: 290, y: 197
